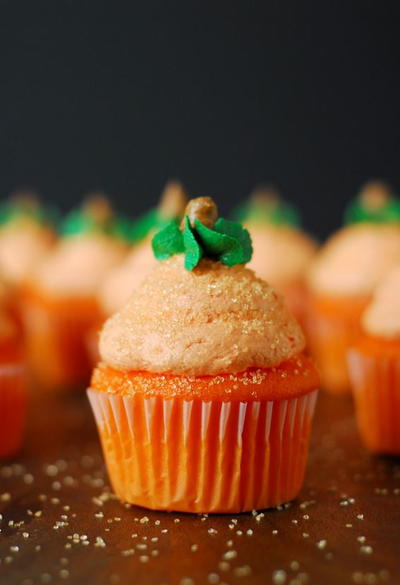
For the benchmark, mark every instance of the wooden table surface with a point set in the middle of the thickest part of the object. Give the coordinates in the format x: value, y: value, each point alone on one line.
x: 61, y: 524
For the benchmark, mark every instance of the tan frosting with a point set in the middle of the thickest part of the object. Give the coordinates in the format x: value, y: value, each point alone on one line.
x: 124, y: 279
x: 281, y: 254
x: 356, y: 259
x: 382, y: 316
x: 78, y: 264
x: 215, y: 319
x: 22, y: 246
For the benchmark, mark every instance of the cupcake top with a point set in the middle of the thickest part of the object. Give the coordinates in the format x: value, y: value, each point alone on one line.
x: 171, y: 206
x: 26, y: 236
x: 200, y: 311
x: 355, y: 259
x: 375, y: 204
x: 122, y: 280
x: 282, y: 252
x: 7, y: 325
x: 93, y: 243
x: 382, y: 316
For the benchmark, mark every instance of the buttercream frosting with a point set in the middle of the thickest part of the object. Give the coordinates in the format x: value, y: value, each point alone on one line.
x: 355, y: 259
x: 382, y: 316
x: 79, y: 264
x: 213, y: 319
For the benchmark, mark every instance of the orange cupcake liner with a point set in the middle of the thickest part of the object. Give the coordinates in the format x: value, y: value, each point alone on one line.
x: 375, y: 377
x: 12, y: 407
x: 332, y: 326
x: 203, y: 456
x: 55, y: 336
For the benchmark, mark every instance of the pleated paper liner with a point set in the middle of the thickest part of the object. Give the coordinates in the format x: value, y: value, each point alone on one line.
x: 332, y: 327
x: 211, y: 456
x: 56, y: 332
x: 374, y: 367
x: 13, y: 401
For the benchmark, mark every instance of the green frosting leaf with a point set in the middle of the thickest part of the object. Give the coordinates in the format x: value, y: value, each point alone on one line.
x: 168, y: 241
x: 80, y: 222
x: 15, y: 211
x: 228, y: 242
x: 277, y: 212
x: 357, y: 212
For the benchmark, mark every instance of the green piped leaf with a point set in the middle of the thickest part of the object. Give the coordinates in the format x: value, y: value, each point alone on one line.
x: 358, y: 212
x: 192, y: 248
x: 228, y: 242
x: 168, y: 241
x: 276, y: 213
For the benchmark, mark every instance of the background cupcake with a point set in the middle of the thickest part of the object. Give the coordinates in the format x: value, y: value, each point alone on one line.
x: 343, y: 277
x: 204, y: 398
x: 120, y: 282
x: 12, y: 381
x: 282, y: 252
x: 374, y: 367
x: 60, y: 301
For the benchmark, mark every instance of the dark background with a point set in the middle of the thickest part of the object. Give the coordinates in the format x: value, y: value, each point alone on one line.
x: 123, y: 95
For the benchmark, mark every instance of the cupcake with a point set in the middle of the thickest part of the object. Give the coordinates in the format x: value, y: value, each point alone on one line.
x: 120, y: 282
x: 60, y: 304
x: 12, y: 382
x: 282, y: 252
x: 342, y: 279
x: 374, y: 368
x: 203, y: 397
x: 26, y: 236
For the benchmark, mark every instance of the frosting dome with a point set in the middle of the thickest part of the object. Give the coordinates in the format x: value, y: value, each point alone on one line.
x: 213, y: 319
x: 78, y: 264
x: 281, y: 254
x: 356, y: 259
x: 382, y: 316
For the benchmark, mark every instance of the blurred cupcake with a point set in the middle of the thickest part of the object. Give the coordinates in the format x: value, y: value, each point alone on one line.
x: 120, y: 282
x: 26, y: 236
x: 60, y: 303
x: 374, y: 367
x: 281, y: 251
x: 12, y: 382
x: 343, y: 278
x: 204, y: 398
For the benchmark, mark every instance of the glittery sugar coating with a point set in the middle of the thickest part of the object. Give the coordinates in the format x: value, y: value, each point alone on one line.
x: 212, y: 320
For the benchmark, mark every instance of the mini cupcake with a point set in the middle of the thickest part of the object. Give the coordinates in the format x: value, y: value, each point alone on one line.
x: 343, y: 278
x: 281, y: 251
x: 120, y: 282
x: 204, y: 398
x: 374, y: 367
x: 60, y: 304
x: 26, y: 236
x: 12, y: 382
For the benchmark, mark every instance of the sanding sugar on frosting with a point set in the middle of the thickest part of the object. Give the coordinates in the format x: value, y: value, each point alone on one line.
x: 382, y: 316
x: 281, y: 254
x: 78, y: 264
x: 214, y: 319
x: 356, y: 259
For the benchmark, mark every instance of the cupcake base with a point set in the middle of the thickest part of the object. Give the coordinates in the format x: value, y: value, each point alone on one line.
x: 208, y: 455
x: 56, y: 331
x: 374, y: 367
x: 332, y: 326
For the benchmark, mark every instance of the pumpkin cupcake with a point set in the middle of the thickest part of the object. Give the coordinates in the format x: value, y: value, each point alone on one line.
x: 12, y: 381
x: 374, y: 367
x: 204, y: 398
x: 60, y: 304
x: 282, y: 252
x: 122, y: 280
x: 26, y: 236
x: 343, y: 277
